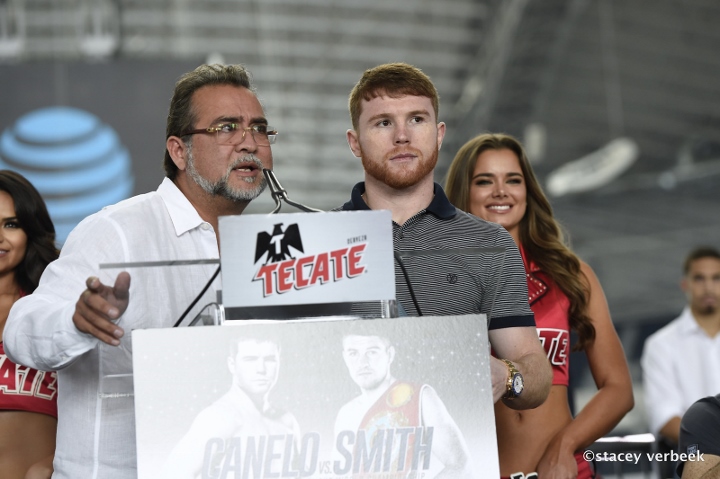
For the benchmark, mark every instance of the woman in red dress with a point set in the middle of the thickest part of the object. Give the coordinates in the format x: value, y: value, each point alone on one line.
x: 28, y: 398
x: 491, y: 177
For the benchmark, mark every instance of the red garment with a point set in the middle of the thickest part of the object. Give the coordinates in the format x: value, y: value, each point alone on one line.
x: 26, y: 389
x: 397, y: 408
x: 584, y: 469
x: 551, y: 307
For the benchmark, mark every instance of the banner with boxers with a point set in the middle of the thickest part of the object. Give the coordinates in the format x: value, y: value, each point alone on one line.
x: 406, y: 397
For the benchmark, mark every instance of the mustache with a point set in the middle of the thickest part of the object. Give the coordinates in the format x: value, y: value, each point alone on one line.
x: 249, y: 158
x: 398, y: 150
x: 220, y: 188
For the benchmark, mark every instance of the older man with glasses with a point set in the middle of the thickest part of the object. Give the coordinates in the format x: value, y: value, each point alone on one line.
x: 75, y: 322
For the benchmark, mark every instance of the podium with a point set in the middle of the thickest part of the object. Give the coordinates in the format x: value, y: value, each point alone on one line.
x: 310, y: 386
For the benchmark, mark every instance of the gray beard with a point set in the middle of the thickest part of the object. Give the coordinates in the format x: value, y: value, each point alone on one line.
x: 221, y: 187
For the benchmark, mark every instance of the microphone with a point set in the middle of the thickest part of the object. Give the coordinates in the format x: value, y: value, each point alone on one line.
x: 279, y: 193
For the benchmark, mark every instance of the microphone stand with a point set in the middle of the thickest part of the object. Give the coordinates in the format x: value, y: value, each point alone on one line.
x: 279, y: 193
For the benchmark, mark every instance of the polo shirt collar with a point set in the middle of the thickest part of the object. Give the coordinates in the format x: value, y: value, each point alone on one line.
x: 356, y: 200
x: 440, y: 206
x: 183, y: 214
x: 688, y: 324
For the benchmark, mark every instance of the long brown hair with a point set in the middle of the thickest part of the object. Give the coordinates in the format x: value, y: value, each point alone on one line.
x: 32, y: 216
x: 541, y: 236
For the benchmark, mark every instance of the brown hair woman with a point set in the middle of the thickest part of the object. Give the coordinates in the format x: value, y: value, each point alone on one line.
x: 28, y: 398
x: 491, y: 177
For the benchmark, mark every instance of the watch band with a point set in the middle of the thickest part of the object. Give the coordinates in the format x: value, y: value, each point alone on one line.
x: 509, y: 392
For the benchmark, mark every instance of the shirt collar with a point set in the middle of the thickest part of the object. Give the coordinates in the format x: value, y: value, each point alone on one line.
x: 530, y: 265
x: 688, y: 324
x: 182, y: 213
x: 440, y: 206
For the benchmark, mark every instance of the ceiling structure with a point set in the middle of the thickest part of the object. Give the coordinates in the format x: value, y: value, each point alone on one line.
x: 582, y: 73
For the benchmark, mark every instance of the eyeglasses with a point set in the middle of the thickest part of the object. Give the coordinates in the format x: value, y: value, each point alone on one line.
x: 234, y: 134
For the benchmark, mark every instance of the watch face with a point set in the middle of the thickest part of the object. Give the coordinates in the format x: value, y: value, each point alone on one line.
x: 517, y: 384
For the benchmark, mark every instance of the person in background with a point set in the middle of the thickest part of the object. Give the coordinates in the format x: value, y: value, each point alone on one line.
x: 28, y: 397
x: 491, y: 178
x: 679, y: 361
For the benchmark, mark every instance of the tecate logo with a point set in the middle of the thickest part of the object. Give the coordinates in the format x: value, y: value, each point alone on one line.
x: 301, y: 273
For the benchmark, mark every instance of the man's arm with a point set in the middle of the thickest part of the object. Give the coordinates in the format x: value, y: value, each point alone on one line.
x: 448, y: 442
x: 521, y: 346
x: 700, y: 435
x: 708, y: 468
x: 40, y: 330
x: 518, y: 343
x: 100, y: 306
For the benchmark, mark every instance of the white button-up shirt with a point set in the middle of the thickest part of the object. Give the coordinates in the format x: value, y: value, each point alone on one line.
x: 680, y: 365
x: 96, y: 423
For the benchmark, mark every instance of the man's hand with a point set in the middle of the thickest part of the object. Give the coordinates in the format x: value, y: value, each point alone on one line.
x: 100, y: 305
x: 521, y: 346
x: 499, y: 374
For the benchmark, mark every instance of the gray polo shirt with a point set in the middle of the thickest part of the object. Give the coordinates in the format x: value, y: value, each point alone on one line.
x: 434, y: 263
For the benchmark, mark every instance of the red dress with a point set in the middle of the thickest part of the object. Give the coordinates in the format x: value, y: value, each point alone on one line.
x: 26, y: 389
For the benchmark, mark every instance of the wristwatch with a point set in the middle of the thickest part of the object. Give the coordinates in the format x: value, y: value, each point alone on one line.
x: 515, y: 384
